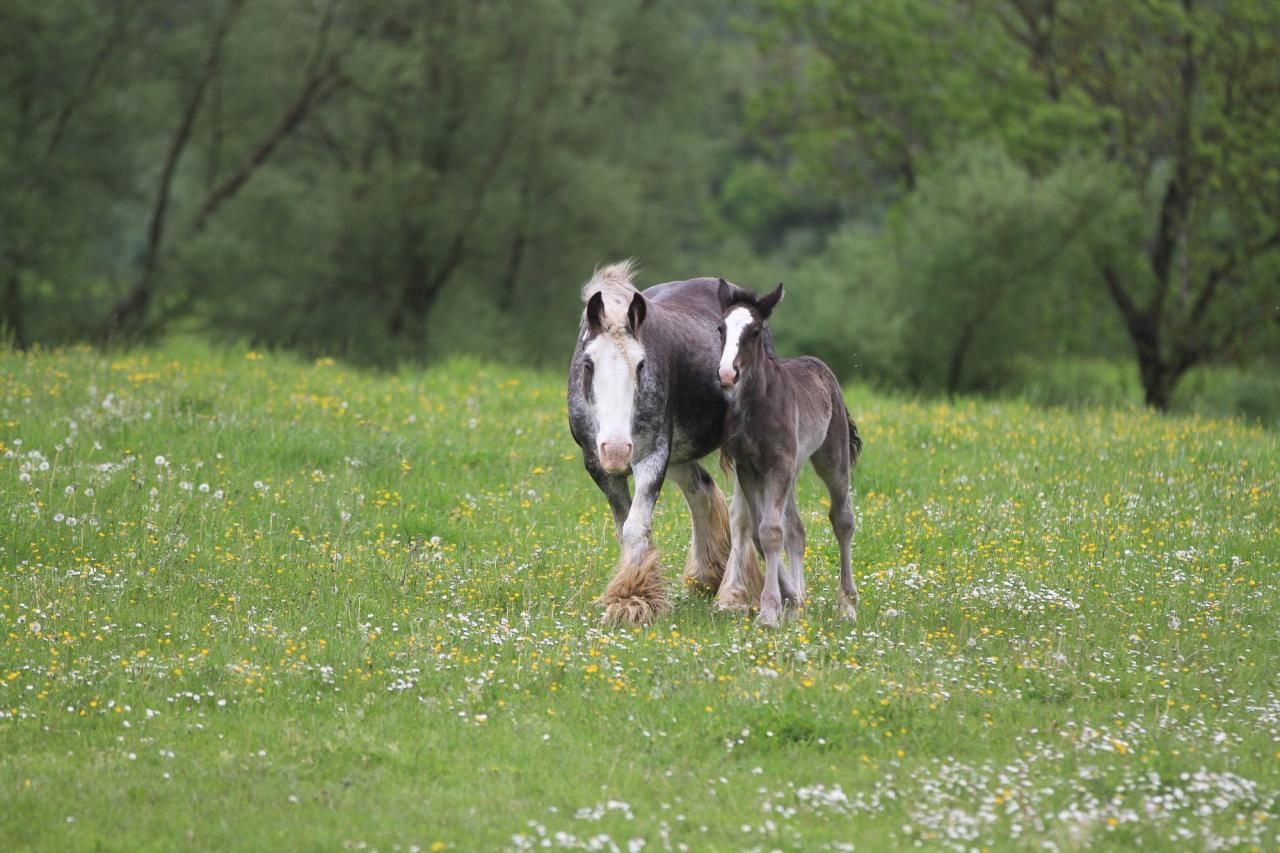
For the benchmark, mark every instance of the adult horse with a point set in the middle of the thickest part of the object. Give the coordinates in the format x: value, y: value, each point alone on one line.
x: 644, y: 400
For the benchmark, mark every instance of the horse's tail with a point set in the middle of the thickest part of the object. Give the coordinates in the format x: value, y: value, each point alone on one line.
x: 855, y: 440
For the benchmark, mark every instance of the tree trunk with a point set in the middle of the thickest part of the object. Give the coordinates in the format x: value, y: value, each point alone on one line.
x: 130, y: 312
x: 1158, y: 380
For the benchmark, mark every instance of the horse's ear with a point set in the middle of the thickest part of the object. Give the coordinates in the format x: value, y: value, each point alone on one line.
x: 636, y: 312
x: 770, y: 301
x: 725, y: 292
x: 595, y: 313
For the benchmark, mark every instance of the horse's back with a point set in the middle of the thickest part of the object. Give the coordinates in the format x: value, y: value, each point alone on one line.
x: 693, y: 296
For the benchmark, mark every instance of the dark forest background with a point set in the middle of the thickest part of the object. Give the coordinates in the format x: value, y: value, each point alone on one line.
x: 1056, y: 196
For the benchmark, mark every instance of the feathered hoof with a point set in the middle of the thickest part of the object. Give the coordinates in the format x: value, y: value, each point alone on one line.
x: 636, y: 595
x: 734, y: 600
x: 634, y: 611
x: 848, y: 606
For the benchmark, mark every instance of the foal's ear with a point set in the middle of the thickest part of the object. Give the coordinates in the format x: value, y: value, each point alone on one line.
x: 595, y: 313
x: 725, y: 293
x: 636, y: 312
x: 769, y: 301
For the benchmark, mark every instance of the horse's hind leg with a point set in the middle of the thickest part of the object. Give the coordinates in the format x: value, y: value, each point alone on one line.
x: 740, y: 588
x: 795, y: 551
x: 709, y: 545
x: 832, y: 463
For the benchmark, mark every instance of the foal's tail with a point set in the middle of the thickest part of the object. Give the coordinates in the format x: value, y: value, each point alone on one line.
x: 855, y: 440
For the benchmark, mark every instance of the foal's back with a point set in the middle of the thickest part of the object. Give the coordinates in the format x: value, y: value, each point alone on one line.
x: 813, y: 396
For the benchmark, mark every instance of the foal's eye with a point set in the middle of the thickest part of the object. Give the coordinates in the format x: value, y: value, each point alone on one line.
x: 720, y: 330
x: 639, y: 367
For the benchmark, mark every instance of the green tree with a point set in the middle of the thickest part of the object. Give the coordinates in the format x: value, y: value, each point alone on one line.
x: 64, y: 156
x: 1187, y: 94
x: 1177, y: 102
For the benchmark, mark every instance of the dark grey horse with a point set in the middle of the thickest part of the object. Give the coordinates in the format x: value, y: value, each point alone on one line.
x: 644, y: 401
x: 782, y: 412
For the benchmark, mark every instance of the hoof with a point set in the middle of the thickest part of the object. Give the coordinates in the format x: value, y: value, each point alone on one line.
x: 733, y: 606
x: 737, y: 598
x: 770, y: 617
x: 636, y: 595
x: 848, y: 607
x: 634, y: 610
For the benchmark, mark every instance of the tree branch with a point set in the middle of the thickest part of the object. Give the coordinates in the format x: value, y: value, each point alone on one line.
x: 133, y: 305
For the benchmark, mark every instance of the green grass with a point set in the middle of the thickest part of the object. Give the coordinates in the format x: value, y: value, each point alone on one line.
x: 349, y: 608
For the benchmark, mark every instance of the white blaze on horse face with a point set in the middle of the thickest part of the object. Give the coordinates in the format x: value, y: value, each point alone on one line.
x: 735, y: 325
x: 613, y: 388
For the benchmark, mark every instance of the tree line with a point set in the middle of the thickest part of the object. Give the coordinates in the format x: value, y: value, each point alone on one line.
x: 945, y: 186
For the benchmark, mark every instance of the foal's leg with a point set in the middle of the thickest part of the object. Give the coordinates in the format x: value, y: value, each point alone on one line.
x: 709, y: 544
x: 769, y: 503
x: 832, y: 463
x: 636, y: 593
x: 740, y: 588
x: 795, y: 549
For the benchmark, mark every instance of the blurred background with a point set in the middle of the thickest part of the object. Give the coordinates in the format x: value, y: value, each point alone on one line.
x: 1069, y: 201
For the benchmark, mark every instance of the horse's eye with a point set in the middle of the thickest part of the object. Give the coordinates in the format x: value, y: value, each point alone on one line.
x: 720, y: 329
x: 639, y: 367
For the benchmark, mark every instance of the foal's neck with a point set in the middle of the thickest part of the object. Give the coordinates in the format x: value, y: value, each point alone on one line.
x: 755, y: 386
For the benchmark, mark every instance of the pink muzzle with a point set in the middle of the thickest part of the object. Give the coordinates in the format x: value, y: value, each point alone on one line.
x: 615, y: 456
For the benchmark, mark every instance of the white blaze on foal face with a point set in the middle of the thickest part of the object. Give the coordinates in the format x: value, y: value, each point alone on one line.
x: 614, y: 360
x: 735, y: 326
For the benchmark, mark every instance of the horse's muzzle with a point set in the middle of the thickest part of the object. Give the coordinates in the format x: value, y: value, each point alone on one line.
x: 615, y: 456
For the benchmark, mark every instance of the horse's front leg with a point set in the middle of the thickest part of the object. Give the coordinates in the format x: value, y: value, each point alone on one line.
x: 617, y: 492
x: 636, y: 593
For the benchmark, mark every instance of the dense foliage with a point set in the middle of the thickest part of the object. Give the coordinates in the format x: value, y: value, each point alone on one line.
x: 950, y: 188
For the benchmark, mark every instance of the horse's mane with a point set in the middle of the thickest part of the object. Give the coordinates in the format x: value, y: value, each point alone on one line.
x: 616, y: 283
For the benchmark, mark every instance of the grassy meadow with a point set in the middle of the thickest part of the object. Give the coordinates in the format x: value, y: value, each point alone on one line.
x: 252, y: 602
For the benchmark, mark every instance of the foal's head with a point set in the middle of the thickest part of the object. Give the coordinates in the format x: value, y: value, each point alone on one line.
x: 742, y: 331
x: 612, y: 362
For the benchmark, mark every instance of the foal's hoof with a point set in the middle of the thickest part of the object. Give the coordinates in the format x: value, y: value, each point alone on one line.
x: 848, y: 607
x: 769, y: 620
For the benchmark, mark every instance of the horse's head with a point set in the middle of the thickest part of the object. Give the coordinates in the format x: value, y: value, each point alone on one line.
x: 612, y: 368
x: 742, y: 331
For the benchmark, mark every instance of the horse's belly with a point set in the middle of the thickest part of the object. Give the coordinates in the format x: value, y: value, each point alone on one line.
x: 687, y: 446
